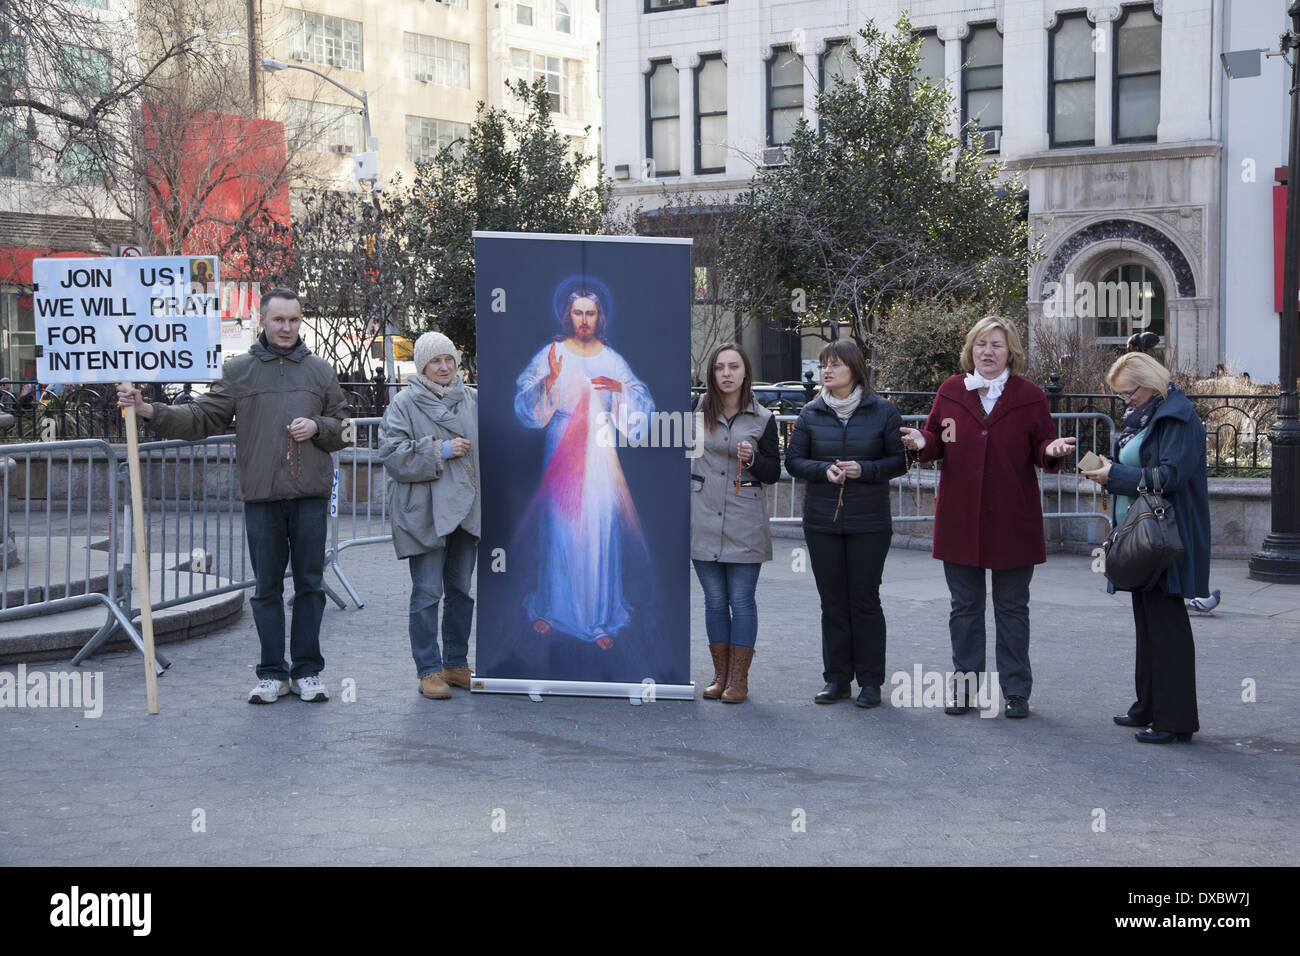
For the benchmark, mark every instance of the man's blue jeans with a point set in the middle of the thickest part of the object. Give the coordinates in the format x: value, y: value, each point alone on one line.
x: 280, y: 532
x: 448, y: 571
x: 730, y: 611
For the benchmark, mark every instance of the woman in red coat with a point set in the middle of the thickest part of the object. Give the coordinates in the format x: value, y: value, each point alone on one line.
x: 992, y: 428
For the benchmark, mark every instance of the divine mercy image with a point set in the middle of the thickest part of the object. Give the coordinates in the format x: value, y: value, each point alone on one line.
x: 582, y: 517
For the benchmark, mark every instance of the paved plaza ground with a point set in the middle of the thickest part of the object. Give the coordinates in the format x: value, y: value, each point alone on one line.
x: 392, y: 778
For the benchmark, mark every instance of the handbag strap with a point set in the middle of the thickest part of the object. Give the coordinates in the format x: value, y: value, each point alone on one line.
x: 1155, y: 470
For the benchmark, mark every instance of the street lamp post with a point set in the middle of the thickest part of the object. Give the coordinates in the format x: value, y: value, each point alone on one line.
x: 272, y: 66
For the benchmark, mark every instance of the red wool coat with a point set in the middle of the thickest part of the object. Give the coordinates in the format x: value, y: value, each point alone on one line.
x: 988, y: 513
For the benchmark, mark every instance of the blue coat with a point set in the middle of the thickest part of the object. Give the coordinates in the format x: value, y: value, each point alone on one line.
x: 1175, y: 442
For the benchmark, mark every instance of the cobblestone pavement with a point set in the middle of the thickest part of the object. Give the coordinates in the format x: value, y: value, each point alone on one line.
x: 392, y: 778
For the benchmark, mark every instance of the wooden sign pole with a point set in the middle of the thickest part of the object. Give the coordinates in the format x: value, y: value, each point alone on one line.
x: 141, y: 555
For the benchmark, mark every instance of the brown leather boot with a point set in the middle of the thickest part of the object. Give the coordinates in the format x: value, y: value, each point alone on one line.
x: 738, y: 675
x: 456, y: 676
x: 434, y: 687
x: 720, y: 653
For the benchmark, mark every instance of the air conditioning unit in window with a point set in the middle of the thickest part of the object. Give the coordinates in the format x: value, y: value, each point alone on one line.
x: 776, y: 156
x: 341, y: 149
x: 988, y: 140
x: 424, y: 77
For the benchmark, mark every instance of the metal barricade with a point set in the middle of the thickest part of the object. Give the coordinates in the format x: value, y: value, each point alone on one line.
x: 60, y: 502
x: 914, y: 492
x: 361, y: 493
x: 193, y: 519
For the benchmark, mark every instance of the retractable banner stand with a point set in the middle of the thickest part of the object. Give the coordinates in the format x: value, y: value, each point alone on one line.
x: 129, y: 320
x: 586, y: 434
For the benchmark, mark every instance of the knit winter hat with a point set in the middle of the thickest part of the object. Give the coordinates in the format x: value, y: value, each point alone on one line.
x: 429, y: 346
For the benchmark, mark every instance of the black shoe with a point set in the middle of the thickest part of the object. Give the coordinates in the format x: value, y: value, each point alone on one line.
x: 1124, y: 720
x: 869, y: 697
x: 1160, y: 737
x: 831, y: 693
x: 1017, y: 706
x: 959, y: 704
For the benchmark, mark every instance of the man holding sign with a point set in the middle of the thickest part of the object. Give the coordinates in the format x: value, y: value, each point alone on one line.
x: 288, y: 411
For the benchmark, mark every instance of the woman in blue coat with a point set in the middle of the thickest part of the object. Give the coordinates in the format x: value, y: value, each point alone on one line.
x: 1162, y: 434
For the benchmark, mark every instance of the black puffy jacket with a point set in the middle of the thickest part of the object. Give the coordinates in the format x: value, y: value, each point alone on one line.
x: 871, y: 437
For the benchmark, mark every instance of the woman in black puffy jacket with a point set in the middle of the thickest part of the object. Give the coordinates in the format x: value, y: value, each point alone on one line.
x: 846, y: 446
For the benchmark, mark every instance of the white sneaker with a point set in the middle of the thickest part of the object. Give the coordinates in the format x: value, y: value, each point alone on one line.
x: 268, y: 691
x: 310, y: 689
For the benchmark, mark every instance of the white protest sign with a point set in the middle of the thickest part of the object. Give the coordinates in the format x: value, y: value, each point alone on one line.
x: 146, y: 319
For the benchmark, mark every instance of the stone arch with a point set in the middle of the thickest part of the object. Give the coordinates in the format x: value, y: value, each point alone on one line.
x: 1118, y: 233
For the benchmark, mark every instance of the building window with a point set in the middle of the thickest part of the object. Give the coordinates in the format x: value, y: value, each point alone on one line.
x: 563, y: 79
x: 835, y: 67
x: 563, y: 19
x: 1130, y: 299
x: 663, y: 119
x: 981, y: 81
x: 17, y: 337
x: 435, y: 60
x: 524, y: 12
x: 1136, y: 112
x: 325, y: 127
x: 15, y: 151
x: 1072, y: 90
x: 102, y: 4
x: 462, y: 4
x: 784, y: 95
x: 84, y: 163
x: 83, y: 70
x: 13, y: 70
x: 326, y: 41
x: 656, y: 6
x: 711, y: 115
x: 930, y: 63
x: 426, y: 137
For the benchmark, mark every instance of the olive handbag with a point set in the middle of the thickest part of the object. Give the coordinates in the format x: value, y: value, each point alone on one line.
x: 1146, y: 542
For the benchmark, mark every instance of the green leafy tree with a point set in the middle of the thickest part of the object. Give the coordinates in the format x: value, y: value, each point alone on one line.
x: 512, y: 174
x: 878, y: 205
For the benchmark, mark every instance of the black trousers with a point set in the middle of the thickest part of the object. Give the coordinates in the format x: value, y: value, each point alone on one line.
x: 967, y: 589
x: 848, y: 568
x: 1165, y: 674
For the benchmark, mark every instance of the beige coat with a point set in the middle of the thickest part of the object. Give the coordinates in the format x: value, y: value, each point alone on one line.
x: 430, y: 497
x: 728, y: 526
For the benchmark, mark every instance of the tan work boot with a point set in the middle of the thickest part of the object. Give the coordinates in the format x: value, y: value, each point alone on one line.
x: 456, y: 676
x: 738, y: 675
x: 434, y: 687
x: 720, y: 654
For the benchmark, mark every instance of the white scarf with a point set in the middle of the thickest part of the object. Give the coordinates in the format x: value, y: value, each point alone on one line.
x: 995, y: 386
x: 846, y: 406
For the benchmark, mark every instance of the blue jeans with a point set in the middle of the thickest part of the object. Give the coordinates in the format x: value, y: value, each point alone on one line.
x: 280, y: 532
x: 730, y: 612
x: 447, y: 570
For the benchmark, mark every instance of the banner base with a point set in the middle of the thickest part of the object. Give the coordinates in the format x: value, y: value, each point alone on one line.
x: 646, y: 690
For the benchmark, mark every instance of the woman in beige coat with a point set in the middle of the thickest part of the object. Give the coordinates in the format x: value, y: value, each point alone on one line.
x: 730, y: 538
x: 428, y: 445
